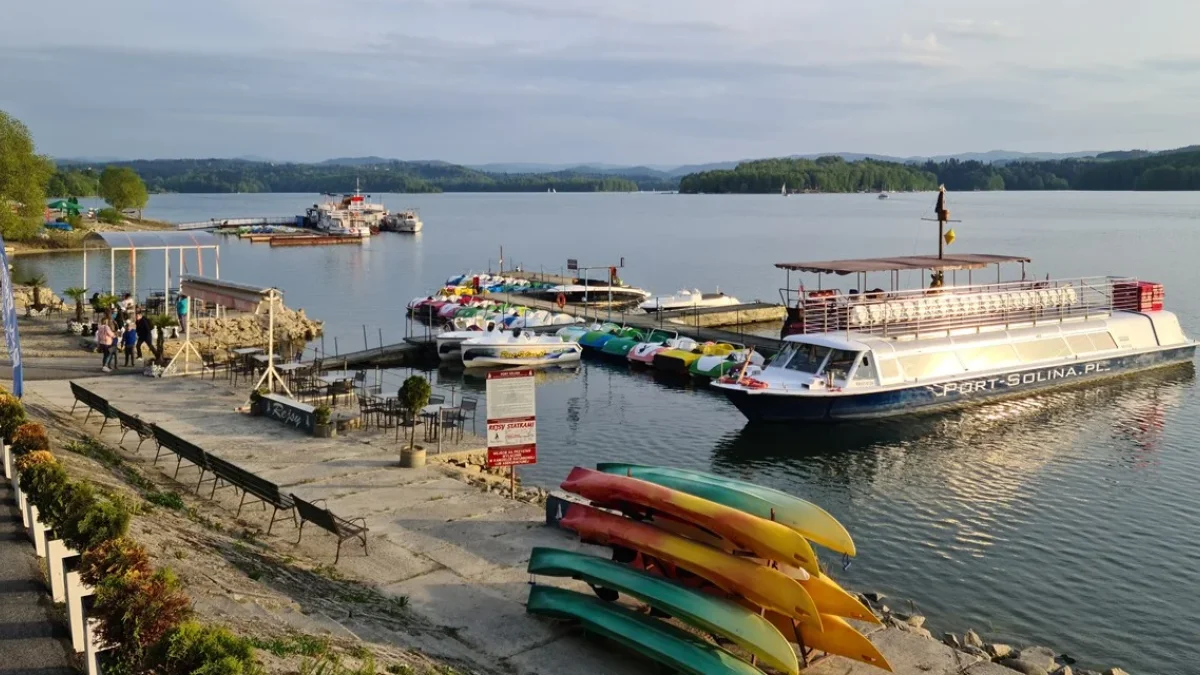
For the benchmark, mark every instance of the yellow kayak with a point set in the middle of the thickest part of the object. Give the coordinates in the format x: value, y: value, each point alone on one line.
x: 835, y: 636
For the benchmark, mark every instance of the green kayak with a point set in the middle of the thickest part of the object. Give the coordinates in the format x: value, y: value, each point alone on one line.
x: 620, y: 346
x: 706, y: 612
x: 657, y: 640
x: 805, y: 517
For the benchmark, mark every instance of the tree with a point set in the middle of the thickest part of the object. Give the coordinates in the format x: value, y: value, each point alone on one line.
x: 414, y: 395
x: 36, y: 282
x: 123, y: 189
x: 77, y: 293
x: 23, y: 177
x: 161, y: 322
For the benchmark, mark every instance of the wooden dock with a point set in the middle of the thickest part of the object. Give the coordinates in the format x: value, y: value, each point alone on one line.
x: 215, y: 223
x: 313, y: 240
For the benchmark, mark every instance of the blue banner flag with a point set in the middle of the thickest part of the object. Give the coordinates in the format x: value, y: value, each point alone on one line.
x: 12, y: 336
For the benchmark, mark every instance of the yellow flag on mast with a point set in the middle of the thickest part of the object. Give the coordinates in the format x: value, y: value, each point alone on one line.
x: 949, y: 237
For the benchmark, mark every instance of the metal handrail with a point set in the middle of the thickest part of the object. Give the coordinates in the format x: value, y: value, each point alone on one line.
x: 939, y: 310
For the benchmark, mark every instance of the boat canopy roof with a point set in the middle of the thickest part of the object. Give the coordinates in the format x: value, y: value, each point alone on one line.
x: 959, y: 261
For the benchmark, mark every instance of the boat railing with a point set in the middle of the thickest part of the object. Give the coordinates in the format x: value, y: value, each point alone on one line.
x: 952, y: 308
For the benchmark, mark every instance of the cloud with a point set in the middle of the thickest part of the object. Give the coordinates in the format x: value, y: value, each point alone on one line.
x: 928, y: 44
x: 992, y: 30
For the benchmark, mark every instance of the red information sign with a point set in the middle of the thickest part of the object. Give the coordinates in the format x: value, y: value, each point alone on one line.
x: 512, y: 421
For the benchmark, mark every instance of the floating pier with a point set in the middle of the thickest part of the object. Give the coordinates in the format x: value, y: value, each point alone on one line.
x: 214, y: 223
x: 309, y: 240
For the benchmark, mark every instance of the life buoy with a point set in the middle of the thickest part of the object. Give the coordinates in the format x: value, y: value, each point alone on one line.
x: 560, y: 301
x: 751, y: 383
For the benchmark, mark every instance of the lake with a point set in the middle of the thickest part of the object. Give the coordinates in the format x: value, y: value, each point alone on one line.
x: 1068, y: 519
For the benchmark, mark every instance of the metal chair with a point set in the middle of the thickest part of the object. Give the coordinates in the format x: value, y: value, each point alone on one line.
x: 471, y: 406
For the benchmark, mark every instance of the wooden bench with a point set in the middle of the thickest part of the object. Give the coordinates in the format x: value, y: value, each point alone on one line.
x: 323, y: 518
x: 133, y: 423
x: 183, y: 450
x: 93, y: 402
x: 251, y: 485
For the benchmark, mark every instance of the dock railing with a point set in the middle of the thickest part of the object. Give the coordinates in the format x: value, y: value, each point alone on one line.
x: 950, y: 308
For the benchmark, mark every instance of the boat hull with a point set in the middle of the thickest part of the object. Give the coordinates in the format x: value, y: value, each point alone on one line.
x: 484, y: 356
x: 761, y: 406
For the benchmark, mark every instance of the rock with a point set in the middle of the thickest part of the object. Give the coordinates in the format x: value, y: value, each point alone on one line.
x: 473, y: 468
x: 884, y: 609
x: 916, y: 620
x: 874, y: 598
x: 1038, y: 656
x: 923, y: 632
x: 998, y: 651
x: 952, y: 640
x: 975, y: 651
x: 1022, y: 666
x: 1065, y: 670
x: 972, y: 638
x: 1115, y: 671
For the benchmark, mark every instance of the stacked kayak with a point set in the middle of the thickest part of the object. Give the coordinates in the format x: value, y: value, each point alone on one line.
x: 721, y: 556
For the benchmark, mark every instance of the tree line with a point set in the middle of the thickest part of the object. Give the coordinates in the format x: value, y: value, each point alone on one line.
x: 1135, y: 170
x: 230, y: 175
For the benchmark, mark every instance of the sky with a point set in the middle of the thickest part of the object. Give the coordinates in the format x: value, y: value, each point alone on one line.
x: 619, y: 81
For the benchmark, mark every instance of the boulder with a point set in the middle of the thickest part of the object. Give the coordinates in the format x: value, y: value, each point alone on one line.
x: 1065, y: 670
x: 874, y: 598
x: 923, y: 632
x: 916, y: 621
x: 972, y: 638
x: 952, y: 640
x: 1115, y: 671
x: 1039, y: 656
x: 1022, y: 666
x: 998, y: 651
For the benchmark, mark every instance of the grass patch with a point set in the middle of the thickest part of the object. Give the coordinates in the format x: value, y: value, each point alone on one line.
x: 93, y: 449
x: 167, y: 500
x: 401, y: 669
x: 296, y: 644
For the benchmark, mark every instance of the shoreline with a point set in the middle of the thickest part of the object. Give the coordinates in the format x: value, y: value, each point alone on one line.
x: 444, y: 537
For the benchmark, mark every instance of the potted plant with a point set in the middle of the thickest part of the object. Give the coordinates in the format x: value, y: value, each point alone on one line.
x: 12, y: 415
x: 413, y: 395
x: 36, y: 282
x: 322, y: 417
x: 78, y: 294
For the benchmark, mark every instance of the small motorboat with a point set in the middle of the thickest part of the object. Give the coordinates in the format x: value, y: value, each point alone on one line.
x: 680, y: 360
x: 686, y: 299
x: 884, y: 195
x: 449, y: 344
x: 644, y: 353
x: 574, y: 332
x: 517, y: 348
x: 713, y: 366
x: 591, y: 294
x: 620, y: 347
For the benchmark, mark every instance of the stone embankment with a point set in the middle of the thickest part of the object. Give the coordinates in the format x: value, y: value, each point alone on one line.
x: 292, y: 327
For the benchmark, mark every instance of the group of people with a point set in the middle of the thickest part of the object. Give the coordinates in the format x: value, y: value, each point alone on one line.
x: 124, y: 329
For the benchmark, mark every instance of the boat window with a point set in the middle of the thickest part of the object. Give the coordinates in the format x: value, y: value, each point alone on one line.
x: 865, y: 374
x: 889, y: 369
x: 1080, y: 343
x: 1103, y: 341
x: 936, y: 364
x: 780, y: 359
x: 1042, y: 350
x: 808, y: 358
x: 840, y: 362
x: 982, y: 358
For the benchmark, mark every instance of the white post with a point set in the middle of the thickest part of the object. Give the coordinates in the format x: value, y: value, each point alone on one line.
x: 57, y: 554
x: 217, y: 254
x: 112, y: 271
x: 166, y: 277
x: 85, y: 267
x: 187, y: 332
x: 8, y: 465
x: 76, y: 591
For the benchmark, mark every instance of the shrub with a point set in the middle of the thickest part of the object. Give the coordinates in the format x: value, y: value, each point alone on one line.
x: 169, y: 500
x: 27, y: 462
x: 322, y: 414
x: 114, y: 558
x: 194, y: 648
x: 136, y: 611
x: 30, y: 437
x: 110, y: 216
x: 44, y: 482
x: 75, y: 221
x: 96, y: 522
x: 12, y: 415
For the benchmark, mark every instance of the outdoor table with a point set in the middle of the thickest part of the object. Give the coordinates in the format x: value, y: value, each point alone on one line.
x: 433, y: 414
x: 332, y: 380
x: 262, y: 358
x: 246, y: 351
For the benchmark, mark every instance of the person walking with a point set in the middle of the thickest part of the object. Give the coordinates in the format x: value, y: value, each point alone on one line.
x: 142, y: 326
x: 104, y: 340
x: 181, y: 310
x: 128, y: 340
x: 125, y: 309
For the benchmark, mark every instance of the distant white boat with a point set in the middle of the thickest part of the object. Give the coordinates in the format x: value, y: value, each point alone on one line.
x: 783, y: 190
x: 884, y: 195
x: 686, y: 299
x: 517, y: 348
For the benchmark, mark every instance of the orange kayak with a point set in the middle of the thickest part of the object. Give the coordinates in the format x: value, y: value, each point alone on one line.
x: 764, y: 538
x: 765, y: 587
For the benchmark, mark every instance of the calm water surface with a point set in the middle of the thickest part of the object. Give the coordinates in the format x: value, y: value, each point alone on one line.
x: 1068, y: 519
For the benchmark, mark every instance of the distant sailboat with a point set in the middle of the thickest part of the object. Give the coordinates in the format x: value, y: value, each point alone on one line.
x: 783, y: 190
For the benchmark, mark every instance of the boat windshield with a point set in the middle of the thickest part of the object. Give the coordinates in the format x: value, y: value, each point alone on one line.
x: 808, y: 358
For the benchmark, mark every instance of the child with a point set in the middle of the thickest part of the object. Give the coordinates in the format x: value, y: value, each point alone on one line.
x: 129, y: 339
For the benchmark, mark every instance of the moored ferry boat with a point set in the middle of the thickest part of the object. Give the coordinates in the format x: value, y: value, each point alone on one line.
x: 856, y: 355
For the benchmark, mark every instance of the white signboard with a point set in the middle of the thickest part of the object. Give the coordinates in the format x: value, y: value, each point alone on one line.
x: 511, y: 418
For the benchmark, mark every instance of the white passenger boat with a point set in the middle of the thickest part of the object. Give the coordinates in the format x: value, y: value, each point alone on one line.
x: 518, y: 348
x: 686, y: 299
x: 449, y: 343
x: 853, y: 355
x: 408, y: 220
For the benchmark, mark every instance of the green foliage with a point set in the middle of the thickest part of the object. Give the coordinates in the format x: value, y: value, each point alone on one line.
x: 78, y: 294
x: 73, y: 183
x: 414, y: 393
x: 23, y: 175
x: 331, y: 664
x: 30, y: 437
x: 36, y: 282
x: 123, y: 188
x: 103, y: 519
x: 114, y: 558
x: 136, y: 611
x: 322, y: 414
x: 825, y: 174
x: 193, y: 648
x: 230, y: 175
x: 293, y: 644
x: 110, y: 216
x: 43, y: 480
x: 167, y: 500
x: 12, y: 415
